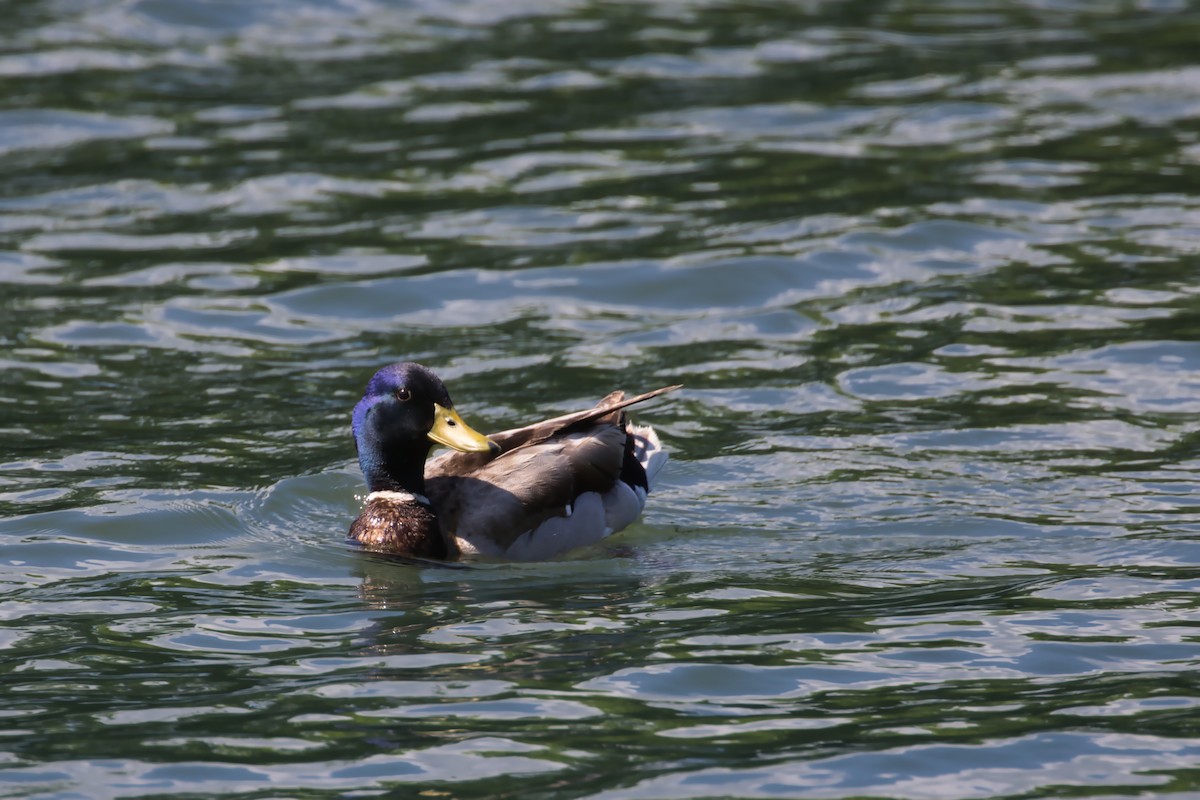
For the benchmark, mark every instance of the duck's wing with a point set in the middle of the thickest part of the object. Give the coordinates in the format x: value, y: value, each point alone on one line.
x: 454, y: 462
x: 492, y: 507
x: 562, y: 471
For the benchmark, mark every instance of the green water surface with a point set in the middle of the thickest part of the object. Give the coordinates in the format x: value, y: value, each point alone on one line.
x: 928, y: 271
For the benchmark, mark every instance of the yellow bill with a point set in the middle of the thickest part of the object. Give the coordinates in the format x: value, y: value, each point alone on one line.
x: 450, y: 430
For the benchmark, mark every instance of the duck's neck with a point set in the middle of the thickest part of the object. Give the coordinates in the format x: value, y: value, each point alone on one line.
x: 396, y: 469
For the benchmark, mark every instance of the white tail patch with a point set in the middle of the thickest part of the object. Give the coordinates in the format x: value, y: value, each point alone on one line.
x: 648, y: 450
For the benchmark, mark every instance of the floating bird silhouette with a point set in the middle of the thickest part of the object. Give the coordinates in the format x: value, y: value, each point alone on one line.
x: 524, y: 494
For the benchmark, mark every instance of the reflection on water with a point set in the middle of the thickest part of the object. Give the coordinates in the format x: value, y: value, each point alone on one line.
x: 925, y: 270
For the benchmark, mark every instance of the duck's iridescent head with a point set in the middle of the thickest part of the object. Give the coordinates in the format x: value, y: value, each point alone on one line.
x: 404, y: 410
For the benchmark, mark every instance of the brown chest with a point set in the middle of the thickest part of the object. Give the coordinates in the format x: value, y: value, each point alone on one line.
x: 404, y: 528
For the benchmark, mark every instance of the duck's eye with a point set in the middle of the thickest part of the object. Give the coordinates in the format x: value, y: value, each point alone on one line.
x: 403, y: 394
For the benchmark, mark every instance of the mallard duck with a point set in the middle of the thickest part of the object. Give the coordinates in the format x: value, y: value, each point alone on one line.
x: 525, y: 494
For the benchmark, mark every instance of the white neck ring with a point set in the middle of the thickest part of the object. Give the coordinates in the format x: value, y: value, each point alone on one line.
x: 398, y: 497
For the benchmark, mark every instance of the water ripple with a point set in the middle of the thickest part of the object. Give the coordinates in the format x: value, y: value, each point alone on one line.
x: 928, y: 529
